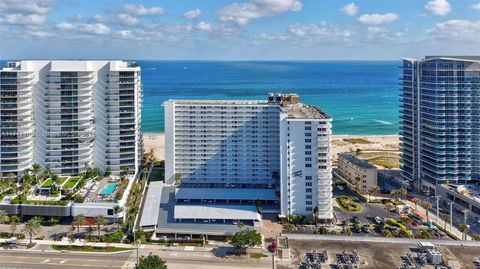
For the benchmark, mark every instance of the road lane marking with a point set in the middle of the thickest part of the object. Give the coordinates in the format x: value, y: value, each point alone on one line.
x: 70, y: 265
x: 63, y: 261
x: 45, y: 261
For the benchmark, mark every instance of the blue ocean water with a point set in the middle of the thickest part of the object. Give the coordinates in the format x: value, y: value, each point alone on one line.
x: 361, y: 96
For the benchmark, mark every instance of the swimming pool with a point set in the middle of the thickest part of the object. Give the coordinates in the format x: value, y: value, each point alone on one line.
x: 109, y: 189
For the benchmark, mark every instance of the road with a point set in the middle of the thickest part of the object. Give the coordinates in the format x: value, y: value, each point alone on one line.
x: 49, y: 260
x: 35, y: 259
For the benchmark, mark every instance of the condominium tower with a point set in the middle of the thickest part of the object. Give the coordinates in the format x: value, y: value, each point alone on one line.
x: 277, y: 145
x: 65, y: 115
x: 440, y: 121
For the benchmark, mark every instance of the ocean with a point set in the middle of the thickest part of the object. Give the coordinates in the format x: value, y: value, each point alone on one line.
x: 361, y: 96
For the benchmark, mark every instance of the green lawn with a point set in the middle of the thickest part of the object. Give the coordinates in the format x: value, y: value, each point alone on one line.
x: 158, y: 174
x: 71, y: 182
x: 347, y: 204
x: 47, y: 183
x: 88, y: 248
x: 382, y: 158
x: 61, y: 180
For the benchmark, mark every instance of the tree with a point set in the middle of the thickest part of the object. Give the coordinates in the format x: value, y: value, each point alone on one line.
x: 357, y: 184
x: 476, y: 237
x: 289, y: 227
x: 3, y: 216
x: 77, y: 222
x: 178, y: 179
x: 36, y: 170
x: 32, y: 227
x: 464, y: 229
x: 99, y: 221
x: 14, y: 221
x: 446, y: 218
x: 395, y: 194
x: 357, y: 151
x: 145, y: 172
x: 243, y: 239
x: 389, y: 206
x: 150, y: 262
x: 403, y: 193
x: 427, y: 207
x: 416, y: 201
x: 315, y: 213
x: 375, y: 189
x: 240, y: 225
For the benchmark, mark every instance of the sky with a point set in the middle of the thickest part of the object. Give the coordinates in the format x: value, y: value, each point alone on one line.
x: 238, y: 30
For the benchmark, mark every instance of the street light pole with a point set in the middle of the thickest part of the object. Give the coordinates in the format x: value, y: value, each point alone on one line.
x: 438, y: 200
x: 465, y: 213
x: 273, y: 260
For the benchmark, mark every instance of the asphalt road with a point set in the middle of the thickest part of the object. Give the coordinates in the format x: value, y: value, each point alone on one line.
x: 48, y: 260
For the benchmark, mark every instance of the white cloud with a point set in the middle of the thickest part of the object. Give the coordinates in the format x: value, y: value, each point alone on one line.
x: 127, y: 19
x: 25, y: 6
x: 376, y: 19
x: 204, y: 26
x: 39, y: 34
x: 85, y: 28
x: 242, y: 13
x: 456, y: 30
x: 192, y: 14
x: 140, y: 10
x: 476, y: 6
x: 350, y: 9
x: 322, y: 32
x: 22, y: 19
x: 439, y: 7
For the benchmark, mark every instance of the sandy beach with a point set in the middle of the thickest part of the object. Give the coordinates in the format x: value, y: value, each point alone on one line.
x: 340, y: 143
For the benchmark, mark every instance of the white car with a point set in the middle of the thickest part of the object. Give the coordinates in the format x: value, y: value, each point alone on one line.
x: 378, y: 220
x: 340, y: 187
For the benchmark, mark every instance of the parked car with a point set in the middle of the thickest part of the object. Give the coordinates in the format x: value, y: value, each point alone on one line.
x: 340, y: 187
x: 355, y: 219
x: 378, y: 220
x: 415, y: 223
x: 365, y: 229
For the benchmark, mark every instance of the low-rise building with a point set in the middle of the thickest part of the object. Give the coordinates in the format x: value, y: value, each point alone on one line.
x: 463, y: 197
x: 359, y: 174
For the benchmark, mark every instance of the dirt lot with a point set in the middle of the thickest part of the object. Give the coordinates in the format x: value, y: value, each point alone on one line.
x: 376, y: 255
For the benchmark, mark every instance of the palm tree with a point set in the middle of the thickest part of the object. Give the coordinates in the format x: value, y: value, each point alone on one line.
x: 240, y: 225
x: 464, y: 229
x: 395, y: 194
x: 32, y: 227
x: 77, y: 222
x: 446, y: 218
x: 416, y: 201
x: 403, y: 192
x: 357, y: 151
x: 99, y: 221
x: 476, y: 237
x: 144, y: 172
x: 427, y: 207
x: 375, y: 189
x: 36, y: 169
x: 178, y: 178
x: 3, y: 216
x: 14, y: 221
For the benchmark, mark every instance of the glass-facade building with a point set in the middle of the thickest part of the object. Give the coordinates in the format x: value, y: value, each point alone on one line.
x: 440, y: 121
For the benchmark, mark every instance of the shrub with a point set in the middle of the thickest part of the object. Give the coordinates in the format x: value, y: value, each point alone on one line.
x: 347, y: 204
x: 396, y: 223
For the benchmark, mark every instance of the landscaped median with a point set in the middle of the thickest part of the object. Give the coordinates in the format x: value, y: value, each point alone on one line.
x: 87, y: 248
x: 347, y: 204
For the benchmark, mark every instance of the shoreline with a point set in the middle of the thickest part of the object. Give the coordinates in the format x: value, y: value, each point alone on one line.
x: 156, y: 142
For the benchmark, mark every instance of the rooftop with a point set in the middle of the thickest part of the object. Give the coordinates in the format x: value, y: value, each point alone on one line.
x: 360, y: 163
x: 216, y: 212
x: 302, y: 111
x: 225, y: 194
x: 469, y: 191
x: 152, y: 204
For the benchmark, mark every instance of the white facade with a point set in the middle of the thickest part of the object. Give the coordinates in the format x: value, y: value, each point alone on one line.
x: 355, y: 171
x: 252, y: 145
x: 65, y: 115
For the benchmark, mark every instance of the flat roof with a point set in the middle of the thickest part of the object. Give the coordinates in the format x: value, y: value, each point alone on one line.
x: 360, y: 163
x: 151, y: 206
x: 225, y: 194
x: 225, y: 212
x: 303, y: 111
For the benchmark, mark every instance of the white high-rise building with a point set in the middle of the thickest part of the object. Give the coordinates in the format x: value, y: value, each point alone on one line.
x: 65, y: 115
x: 277, y: 145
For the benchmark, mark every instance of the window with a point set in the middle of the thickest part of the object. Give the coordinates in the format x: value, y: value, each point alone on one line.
x: 308, y: 159
x: 308, y: 134
x: 308, y: 177
x: 308, y: 153
x: 308, y: 184
x: 308, y: 202
x: 308, y: 165
x: 308, y: 146
x: 308, y: 209
x: 308, y: 140
x: 308, y: 190
x: 308, y: 128
x: 308, y: 197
